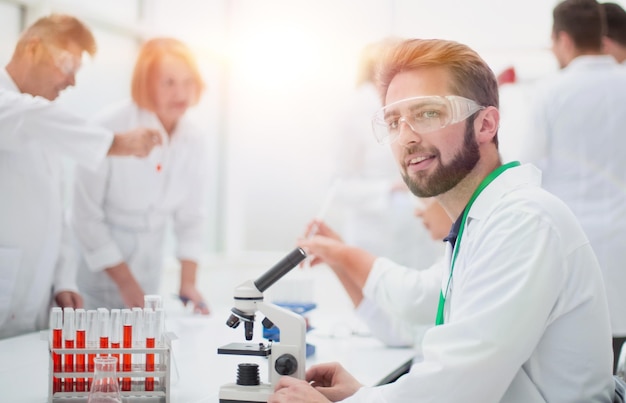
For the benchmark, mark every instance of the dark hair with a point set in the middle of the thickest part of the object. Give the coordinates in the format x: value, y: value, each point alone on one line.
x: 615, y: 22
x: 582, y: 20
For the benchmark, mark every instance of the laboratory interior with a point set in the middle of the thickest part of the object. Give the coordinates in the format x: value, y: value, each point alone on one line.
x: 279, y: 86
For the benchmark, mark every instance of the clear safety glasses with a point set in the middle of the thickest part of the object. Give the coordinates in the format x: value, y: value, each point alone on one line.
x: 64, y: 60
x: 422, y: 115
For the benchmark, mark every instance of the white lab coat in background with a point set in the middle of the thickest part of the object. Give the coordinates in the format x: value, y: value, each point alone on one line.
x: 375, y: 218
x: 579, y: 131
x: 121, y: 211
x: 33, y: 235
x: 526, y: 318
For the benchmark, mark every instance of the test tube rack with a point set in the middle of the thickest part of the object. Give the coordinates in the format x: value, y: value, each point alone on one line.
x: 138, y: 374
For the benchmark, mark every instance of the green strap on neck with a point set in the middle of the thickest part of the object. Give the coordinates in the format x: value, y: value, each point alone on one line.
x: 490, y: 178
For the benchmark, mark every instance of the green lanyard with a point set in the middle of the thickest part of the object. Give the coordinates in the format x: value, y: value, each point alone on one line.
x: 493, y: 175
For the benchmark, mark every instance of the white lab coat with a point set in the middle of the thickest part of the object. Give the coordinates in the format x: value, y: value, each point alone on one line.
x: 121, y: 211
x: 32, y: 233
x: 580, y: 134
x: 526, y: 317
x: 400, y: 314
x: 375, y: 218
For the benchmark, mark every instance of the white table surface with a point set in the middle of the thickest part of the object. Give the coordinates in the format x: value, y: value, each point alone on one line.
x: 198, y: 371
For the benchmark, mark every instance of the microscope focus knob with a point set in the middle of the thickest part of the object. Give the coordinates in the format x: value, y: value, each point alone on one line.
x: 286, y: 364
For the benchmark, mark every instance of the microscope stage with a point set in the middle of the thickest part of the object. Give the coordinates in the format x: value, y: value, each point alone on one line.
x: 258, y: 349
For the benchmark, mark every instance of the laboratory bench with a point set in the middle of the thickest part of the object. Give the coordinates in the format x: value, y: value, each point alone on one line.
x: 197, y: 372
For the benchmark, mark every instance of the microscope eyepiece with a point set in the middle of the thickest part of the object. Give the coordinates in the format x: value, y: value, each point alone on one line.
x: 280, y: 269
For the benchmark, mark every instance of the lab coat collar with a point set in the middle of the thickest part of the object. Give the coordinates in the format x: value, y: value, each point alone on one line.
x: 587, y: 62
x: 509, y: 180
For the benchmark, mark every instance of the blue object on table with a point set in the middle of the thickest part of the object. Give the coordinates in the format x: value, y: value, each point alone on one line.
x: 273, y: 333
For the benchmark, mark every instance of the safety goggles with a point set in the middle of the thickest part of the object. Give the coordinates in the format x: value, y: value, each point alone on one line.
x: 64, y: 60
x: 422, y: 115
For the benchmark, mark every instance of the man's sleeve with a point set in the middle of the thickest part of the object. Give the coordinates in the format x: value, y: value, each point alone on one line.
x: 24, y: 118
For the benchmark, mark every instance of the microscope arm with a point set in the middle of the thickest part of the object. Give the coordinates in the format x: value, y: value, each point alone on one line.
x: 289, y: 355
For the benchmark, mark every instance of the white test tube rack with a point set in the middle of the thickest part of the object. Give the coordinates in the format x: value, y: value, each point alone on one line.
x: 138, y: 374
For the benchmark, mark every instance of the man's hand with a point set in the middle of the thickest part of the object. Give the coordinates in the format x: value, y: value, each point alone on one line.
x: 138, y: 142
x: 324, y: 383
x: 333, y: 381
x: 326, y: 240
x: 292, y: 390
x: 69, y: 299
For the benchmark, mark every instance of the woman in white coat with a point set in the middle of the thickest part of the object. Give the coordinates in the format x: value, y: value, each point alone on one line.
x: 122, y: 210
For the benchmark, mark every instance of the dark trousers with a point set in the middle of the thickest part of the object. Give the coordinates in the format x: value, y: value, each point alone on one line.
x: 617, y: 347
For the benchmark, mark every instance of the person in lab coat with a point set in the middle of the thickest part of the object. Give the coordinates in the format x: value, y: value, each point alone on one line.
x: 522, y: 315
x: 35, y: 258
x: 389, y: 316
x: 122, y: 209
x: 614, y: 42
x: 376, y: 206
x: 577, y: 121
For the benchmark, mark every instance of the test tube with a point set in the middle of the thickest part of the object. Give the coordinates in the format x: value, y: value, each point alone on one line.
x: 81, y: 317
x: 150, y: 332
x: 160, y: 327
x: 152, y: 301
x: 56, y: 326
x: 69, y: 333
x: 138, y: 337
x: 127, y: 340
x: 93, y: 334
x: 116, y: 328
x: 159, y: 336
x: 105, y: 329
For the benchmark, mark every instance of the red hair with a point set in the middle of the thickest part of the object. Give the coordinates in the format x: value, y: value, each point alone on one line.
x: 150, y: 55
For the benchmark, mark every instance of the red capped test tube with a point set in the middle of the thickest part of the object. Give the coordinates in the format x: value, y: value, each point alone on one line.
x: 69, y: 333
x: 127, y: 342
x: 116, y: 330
x: 93, y: 334
x: 56, y: 326
x: 105, y: 328
x: 150, y: 332
x: 138, y: 337
x: 81, y: 339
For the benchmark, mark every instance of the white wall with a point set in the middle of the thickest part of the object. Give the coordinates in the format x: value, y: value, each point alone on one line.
x: 277, y: 74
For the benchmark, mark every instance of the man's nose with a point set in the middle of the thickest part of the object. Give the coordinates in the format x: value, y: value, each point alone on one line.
x: 411, y: 130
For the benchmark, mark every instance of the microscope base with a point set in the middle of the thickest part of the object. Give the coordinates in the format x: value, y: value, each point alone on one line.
x: 233, y: 393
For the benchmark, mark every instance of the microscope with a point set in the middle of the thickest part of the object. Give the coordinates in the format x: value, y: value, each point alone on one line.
x: 286, y: 357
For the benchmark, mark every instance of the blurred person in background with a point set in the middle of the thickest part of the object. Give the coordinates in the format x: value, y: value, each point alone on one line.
x: 121, y: 211
x: 614, y: 41
x: 577, y: 131
x: 376, y: 205
x: 37, y: 268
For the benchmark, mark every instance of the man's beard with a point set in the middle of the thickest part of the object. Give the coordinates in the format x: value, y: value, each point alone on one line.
x: 448, y: 176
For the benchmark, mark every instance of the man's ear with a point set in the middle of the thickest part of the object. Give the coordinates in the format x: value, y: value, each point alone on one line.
x: 486, y: 124
x: 567, y: 45
x: 35, y: 49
